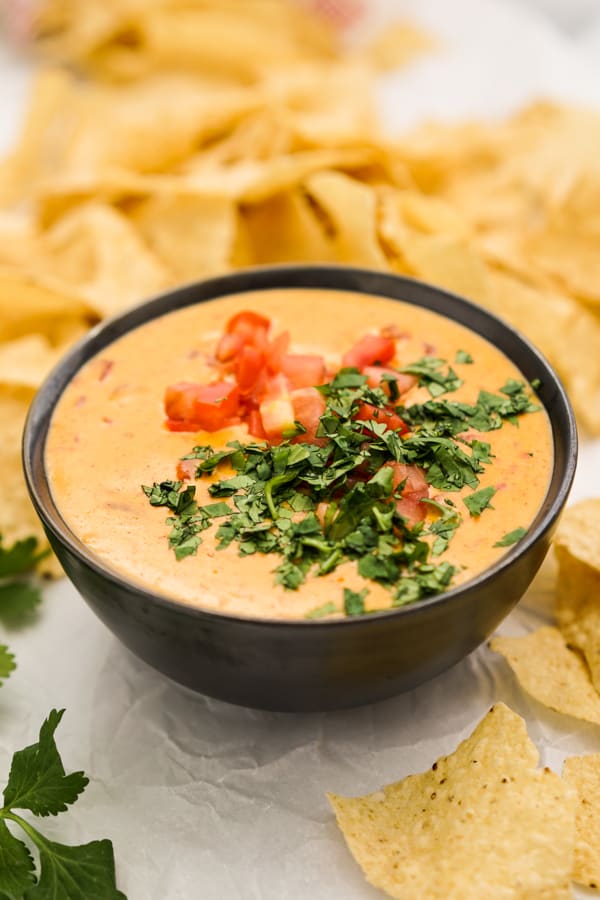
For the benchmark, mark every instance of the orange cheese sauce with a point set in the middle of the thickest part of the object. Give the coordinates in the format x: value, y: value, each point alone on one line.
x: 107, y: 438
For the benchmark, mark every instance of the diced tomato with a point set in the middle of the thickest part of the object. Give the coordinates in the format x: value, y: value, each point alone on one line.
x: 309, y: 406
x: 228, y: 346
x: 248, y: 366
x: 276, y: 386
x: 367, y: 412
x: 186, y: 469
x: 247, y: 320
x: 201, y: 406
x: 245, y: 328
x: 375, y: 378
x: 255, y: 424
x: 275, y: 351
x: 277, y: 414
x: 415, y: 489
x: 303, y: 369
x: 371, y: 349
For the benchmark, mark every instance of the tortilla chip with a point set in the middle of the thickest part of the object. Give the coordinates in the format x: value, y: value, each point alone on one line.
x: 38, y: 304
x: 351, y: 209
x: 551, y: 673
x: 192, y: 236
x: 577, y: 549
x: 482, y: 822
x: 97, y: 248
x: 286, y: 228
x: 397, y: 45
x: 582, y: 773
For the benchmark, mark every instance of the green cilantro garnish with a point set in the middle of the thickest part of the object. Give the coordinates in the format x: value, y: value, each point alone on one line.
x: 320, y: 611
x: 429, y: 371
x: 38, y: 783
x: 7, y: 662
x: 511, y: 537
x: 316, y: 507
x: 354, y: 602
x: 480, y: 500
x: 462, y: 357
x: 19, y: 597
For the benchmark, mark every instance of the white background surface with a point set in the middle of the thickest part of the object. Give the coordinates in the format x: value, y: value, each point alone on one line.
x: 205, y: 800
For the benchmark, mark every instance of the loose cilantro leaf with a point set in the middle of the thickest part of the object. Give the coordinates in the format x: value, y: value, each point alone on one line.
x: 22, y: 557
x: 354, y: 602
x: 38, y: 783
x: 16, y: 866
x: 7, y: 662
x: 18, y: 602
x: 511, y: 537
x: 462, y: 357
x: 37, y: 779
x: 81, y: 872
x: 480, y: 500
x: 320, y: 611
x: 19, y: 598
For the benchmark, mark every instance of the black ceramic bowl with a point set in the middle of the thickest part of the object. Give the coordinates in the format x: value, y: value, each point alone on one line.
x: 316, y: 665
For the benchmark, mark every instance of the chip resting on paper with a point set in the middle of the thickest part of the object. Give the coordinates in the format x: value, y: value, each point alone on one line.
x: 551, y: 673
x: 482, y: 822
x: 577, y: 549
x: 583, y: 774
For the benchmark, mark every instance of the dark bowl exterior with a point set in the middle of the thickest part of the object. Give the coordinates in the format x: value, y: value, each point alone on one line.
x: 306, y: 666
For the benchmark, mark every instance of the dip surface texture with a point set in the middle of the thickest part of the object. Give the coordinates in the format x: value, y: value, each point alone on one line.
x: 107, y: 438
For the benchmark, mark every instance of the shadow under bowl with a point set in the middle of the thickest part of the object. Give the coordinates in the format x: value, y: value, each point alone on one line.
x: 305, y: 665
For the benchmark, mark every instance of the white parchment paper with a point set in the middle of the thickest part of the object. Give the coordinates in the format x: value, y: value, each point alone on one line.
x: 209, y: 801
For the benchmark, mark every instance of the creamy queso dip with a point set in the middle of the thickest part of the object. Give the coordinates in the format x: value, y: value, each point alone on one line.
x: 107, y: 438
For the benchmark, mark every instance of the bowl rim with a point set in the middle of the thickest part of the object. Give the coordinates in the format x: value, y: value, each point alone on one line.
x: 288, y: 276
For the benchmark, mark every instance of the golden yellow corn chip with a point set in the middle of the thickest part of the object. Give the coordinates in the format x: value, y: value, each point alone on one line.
x: 397, y: 45
x: 551, y: 673
x: 351, y: 209
x: 192, y: 236
x: 97, y: 249
x: 29, y: 303
x: 285, y: 228
x: 582, y: 773
x: 577, y: 549
x: 482, y: 822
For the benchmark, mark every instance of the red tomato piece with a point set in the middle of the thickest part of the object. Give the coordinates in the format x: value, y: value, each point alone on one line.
x: 375, y: 378
x: 366, y: 412
x: 201, y: 406
x: 415, y: 489
x: 186, y: 469
x: 276, y: 350
x: 248, y: 367
x: 371, y: 349
x: 309, y: 406
x: 255, y: 424
x: 247, y: 320
x: 277, y: 414
x: 228, y: 346
x: 303, y: 369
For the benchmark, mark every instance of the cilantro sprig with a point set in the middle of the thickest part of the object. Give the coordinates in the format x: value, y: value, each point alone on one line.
x: 19, y: 595
x: 38, y: 784
x: 318, y: 506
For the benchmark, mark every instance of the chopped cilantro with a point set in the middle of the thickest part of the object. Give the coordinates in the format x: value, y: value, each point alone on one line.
x: 269, y: 498
x: 429, y: 371
x: 327, y: 609
x: 511, y: 537
x: 354, y: 602
x: 462, y: 357
x: 480, y: 500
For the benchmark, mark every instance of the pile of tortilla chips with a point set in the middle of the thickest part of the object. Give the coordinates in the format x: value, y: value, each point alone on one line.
x: 560, y: 666
x: 167, y: 141
x: 482, y: 822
